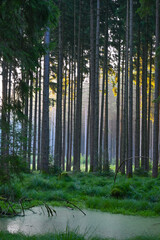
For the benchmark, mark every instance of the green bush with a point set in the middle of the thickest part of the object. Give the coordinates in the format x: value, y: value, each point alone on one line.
x: 141, y: 172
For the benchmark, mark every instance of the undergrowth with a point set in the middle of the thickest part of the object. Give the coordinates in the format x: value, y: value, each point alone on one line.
x: 136, y: 196
x: 61, y: 236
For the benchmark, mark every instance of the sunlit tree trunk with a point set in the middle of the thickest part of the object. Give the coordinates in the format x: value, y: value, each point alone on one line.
x: 45, y: 116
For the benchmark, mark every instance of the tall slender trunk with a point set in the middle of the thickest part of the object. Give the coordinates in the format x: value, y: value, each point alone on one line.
x: 30, y: 125
x: 96, y: 114
x: 71, y: 119
x: 122, y: 108
x: 35, y: 125
x: 125, y: 114
x: 130, y: 117
x: 58, y: 140
x: 102, y: 100
x: 68, y: 127
x: 4, y: 124
x: 45, y: 117
x: 39, y: 122
x: 9, y: 111
x: 88, y: 129
x: 144, y: 151
x: 137, y: 124
x: 92, y: 79
x: 77, y: 139
x: 25, y: 142
x: 118, y: 107
x: 149, y: 99
x: 64, y: 121
x: 106, y: 157
x: 156, y: 104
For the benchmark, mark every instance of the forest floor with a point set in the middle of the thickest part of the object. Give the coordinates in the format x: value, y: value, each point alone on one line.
x: 129, y: 196
x: 63, y: 236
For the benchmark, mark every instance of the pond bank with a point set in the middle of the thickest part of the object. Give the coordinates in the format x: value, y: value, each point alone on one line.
x: 95, y: 223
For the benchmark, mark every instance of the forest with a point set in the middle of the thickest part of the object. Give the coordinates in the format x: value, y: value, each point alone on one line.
x: 79, y: 119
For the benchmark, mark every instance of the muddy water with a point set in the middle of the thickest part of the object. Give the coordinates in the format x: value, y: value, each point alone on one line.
x: 95, y: 223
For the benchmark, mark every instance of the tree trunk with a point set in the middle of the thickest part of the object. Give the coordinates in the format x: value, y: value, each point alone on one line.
x: 106, y: 157
x: 122, y: 110
x: 35, y: 125
x: 130, y: 119
x: 125, y: 116
x: 68, y: 127
x: 88, y: 129
x: 39, y: 122
x: 149, y: 99
x: 64, y: 121
x: 58, y: 140
x: 92, y: 79
x: 144, y: 107
x: 96, y: 106
x: 77, y: 139
x: 137, y: 124
x: 118, y: 107
x: 45, y: 117
x: 30, y: 124
x: 156, y: 104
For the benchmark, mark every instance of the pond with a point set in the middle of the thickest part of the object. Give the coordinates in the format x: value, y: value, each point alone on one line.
x: 95, y: 223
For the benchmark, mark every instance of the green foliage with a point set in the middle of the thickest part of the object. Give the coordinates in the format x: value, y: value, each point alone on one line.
x: 11, y: 166
x: 141, y: 172
x: 64, y: 176
x: 136, y: 196
x: 62, y: 236
x: 121, y: 190
x: 117, y: 193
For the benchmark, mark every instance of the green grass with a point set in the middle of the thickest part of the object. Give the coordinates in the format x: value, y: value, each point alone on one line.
x: 136, y: 196
x: 60, y: 236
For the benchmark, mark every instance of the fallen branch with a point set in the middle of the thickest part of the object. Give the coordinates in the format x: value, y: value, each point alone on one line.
x: 61, y: 199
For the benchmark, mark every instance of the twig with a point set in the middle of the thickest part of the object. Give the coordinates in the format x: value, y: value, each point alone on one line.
x: 126, y: 160
x: 73, y: 205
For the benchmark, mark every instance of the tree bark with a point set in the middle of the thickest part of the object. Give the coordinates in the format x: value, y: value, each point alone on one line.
x: 45, y: 117
x: 156, y: 104
x: 137, y: 124
x: 130, y: 119
x: 58, y: 139
x: 118, y: 107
